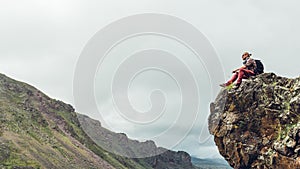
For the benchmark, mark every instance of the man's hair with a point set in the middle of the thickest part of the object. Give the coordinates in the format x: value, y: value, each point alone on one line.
x: 247, y: 53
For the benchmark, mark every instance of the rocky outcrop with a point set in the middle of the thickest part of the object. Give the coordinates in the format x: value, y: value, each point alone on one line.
x: 257, y: 125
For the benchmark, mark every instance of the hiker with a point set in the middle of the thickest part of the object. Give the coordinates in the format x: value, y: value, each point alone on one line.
x: 244, y: 72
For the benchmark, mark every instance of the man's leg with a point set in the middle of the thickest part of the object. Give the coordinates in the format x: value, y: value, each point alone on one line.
x: 233, y: 78
x: 244, y: 74
x: 240, y: 77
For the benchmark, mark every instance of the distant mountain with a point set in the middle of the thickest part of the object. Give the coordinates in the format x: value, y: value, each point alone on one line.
x: 161, y: 158
x: 39, y: 132
x: 210, y: 163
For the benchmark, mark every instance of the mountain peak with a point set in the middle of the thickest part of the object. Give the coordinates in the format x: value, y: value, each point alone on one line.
x: 257, y: 125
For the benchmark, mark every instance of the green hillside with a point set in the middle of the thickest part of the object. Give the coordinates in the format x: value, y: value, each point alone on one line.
x: 39, y: 132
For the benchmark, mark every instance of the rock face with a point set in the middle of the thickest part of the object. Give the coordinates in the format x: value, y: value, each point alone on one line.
x: 257, y: 125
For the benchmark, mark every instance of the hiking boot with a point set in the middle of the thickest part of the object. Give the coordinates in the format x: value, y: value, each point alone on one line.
x: 223, y: 85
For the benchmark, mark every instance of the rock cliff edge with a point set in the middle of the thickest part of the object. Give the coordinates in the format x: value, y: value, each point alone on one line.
x: 257, y: 125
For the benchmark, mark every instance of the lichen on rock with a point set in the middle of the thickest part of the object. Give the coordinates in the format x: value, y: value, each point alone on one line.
x: 257, y: 125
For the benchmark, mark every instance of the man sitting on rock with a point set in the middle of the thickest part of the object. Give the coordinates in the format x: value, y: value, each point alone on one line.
x: 243, y: 72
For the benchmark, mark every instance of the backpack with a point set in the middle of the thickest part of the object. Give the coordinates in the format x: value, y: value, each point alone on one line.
x: 259, y: 67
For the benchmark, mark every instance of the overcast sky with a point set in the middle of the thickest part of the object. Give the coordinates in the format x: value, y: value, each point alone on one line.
x: 41, y: 41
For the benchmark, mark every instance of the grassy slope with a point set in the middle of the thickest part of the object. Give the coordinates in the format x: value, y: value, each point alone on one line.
x: 39, y: 132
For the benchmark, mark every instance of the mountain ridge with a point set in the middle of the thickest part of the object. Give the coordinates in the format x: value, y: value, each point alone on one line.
x: 39, y: 132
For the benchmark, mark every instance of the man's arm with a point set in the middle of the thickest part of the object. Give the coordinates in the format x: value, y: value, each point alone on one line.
x: 243, y: 67
x: 249, y: 63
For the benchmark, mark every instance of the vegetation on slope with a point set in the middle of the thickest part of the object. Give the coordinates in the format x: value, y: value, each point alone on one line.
x: 39, y: 132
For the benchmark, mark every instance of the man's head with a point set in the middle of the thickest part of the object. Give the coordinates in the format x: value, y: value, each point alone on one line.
x: 246, y: 55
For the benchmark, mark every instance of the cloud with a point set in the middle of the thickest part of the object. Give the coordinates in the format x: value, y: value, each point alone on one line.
x: 41, y: 41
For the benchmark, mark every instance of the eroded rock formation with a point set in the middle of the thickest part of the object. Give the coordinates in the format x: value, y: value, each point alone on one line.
x: 257, y: 125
